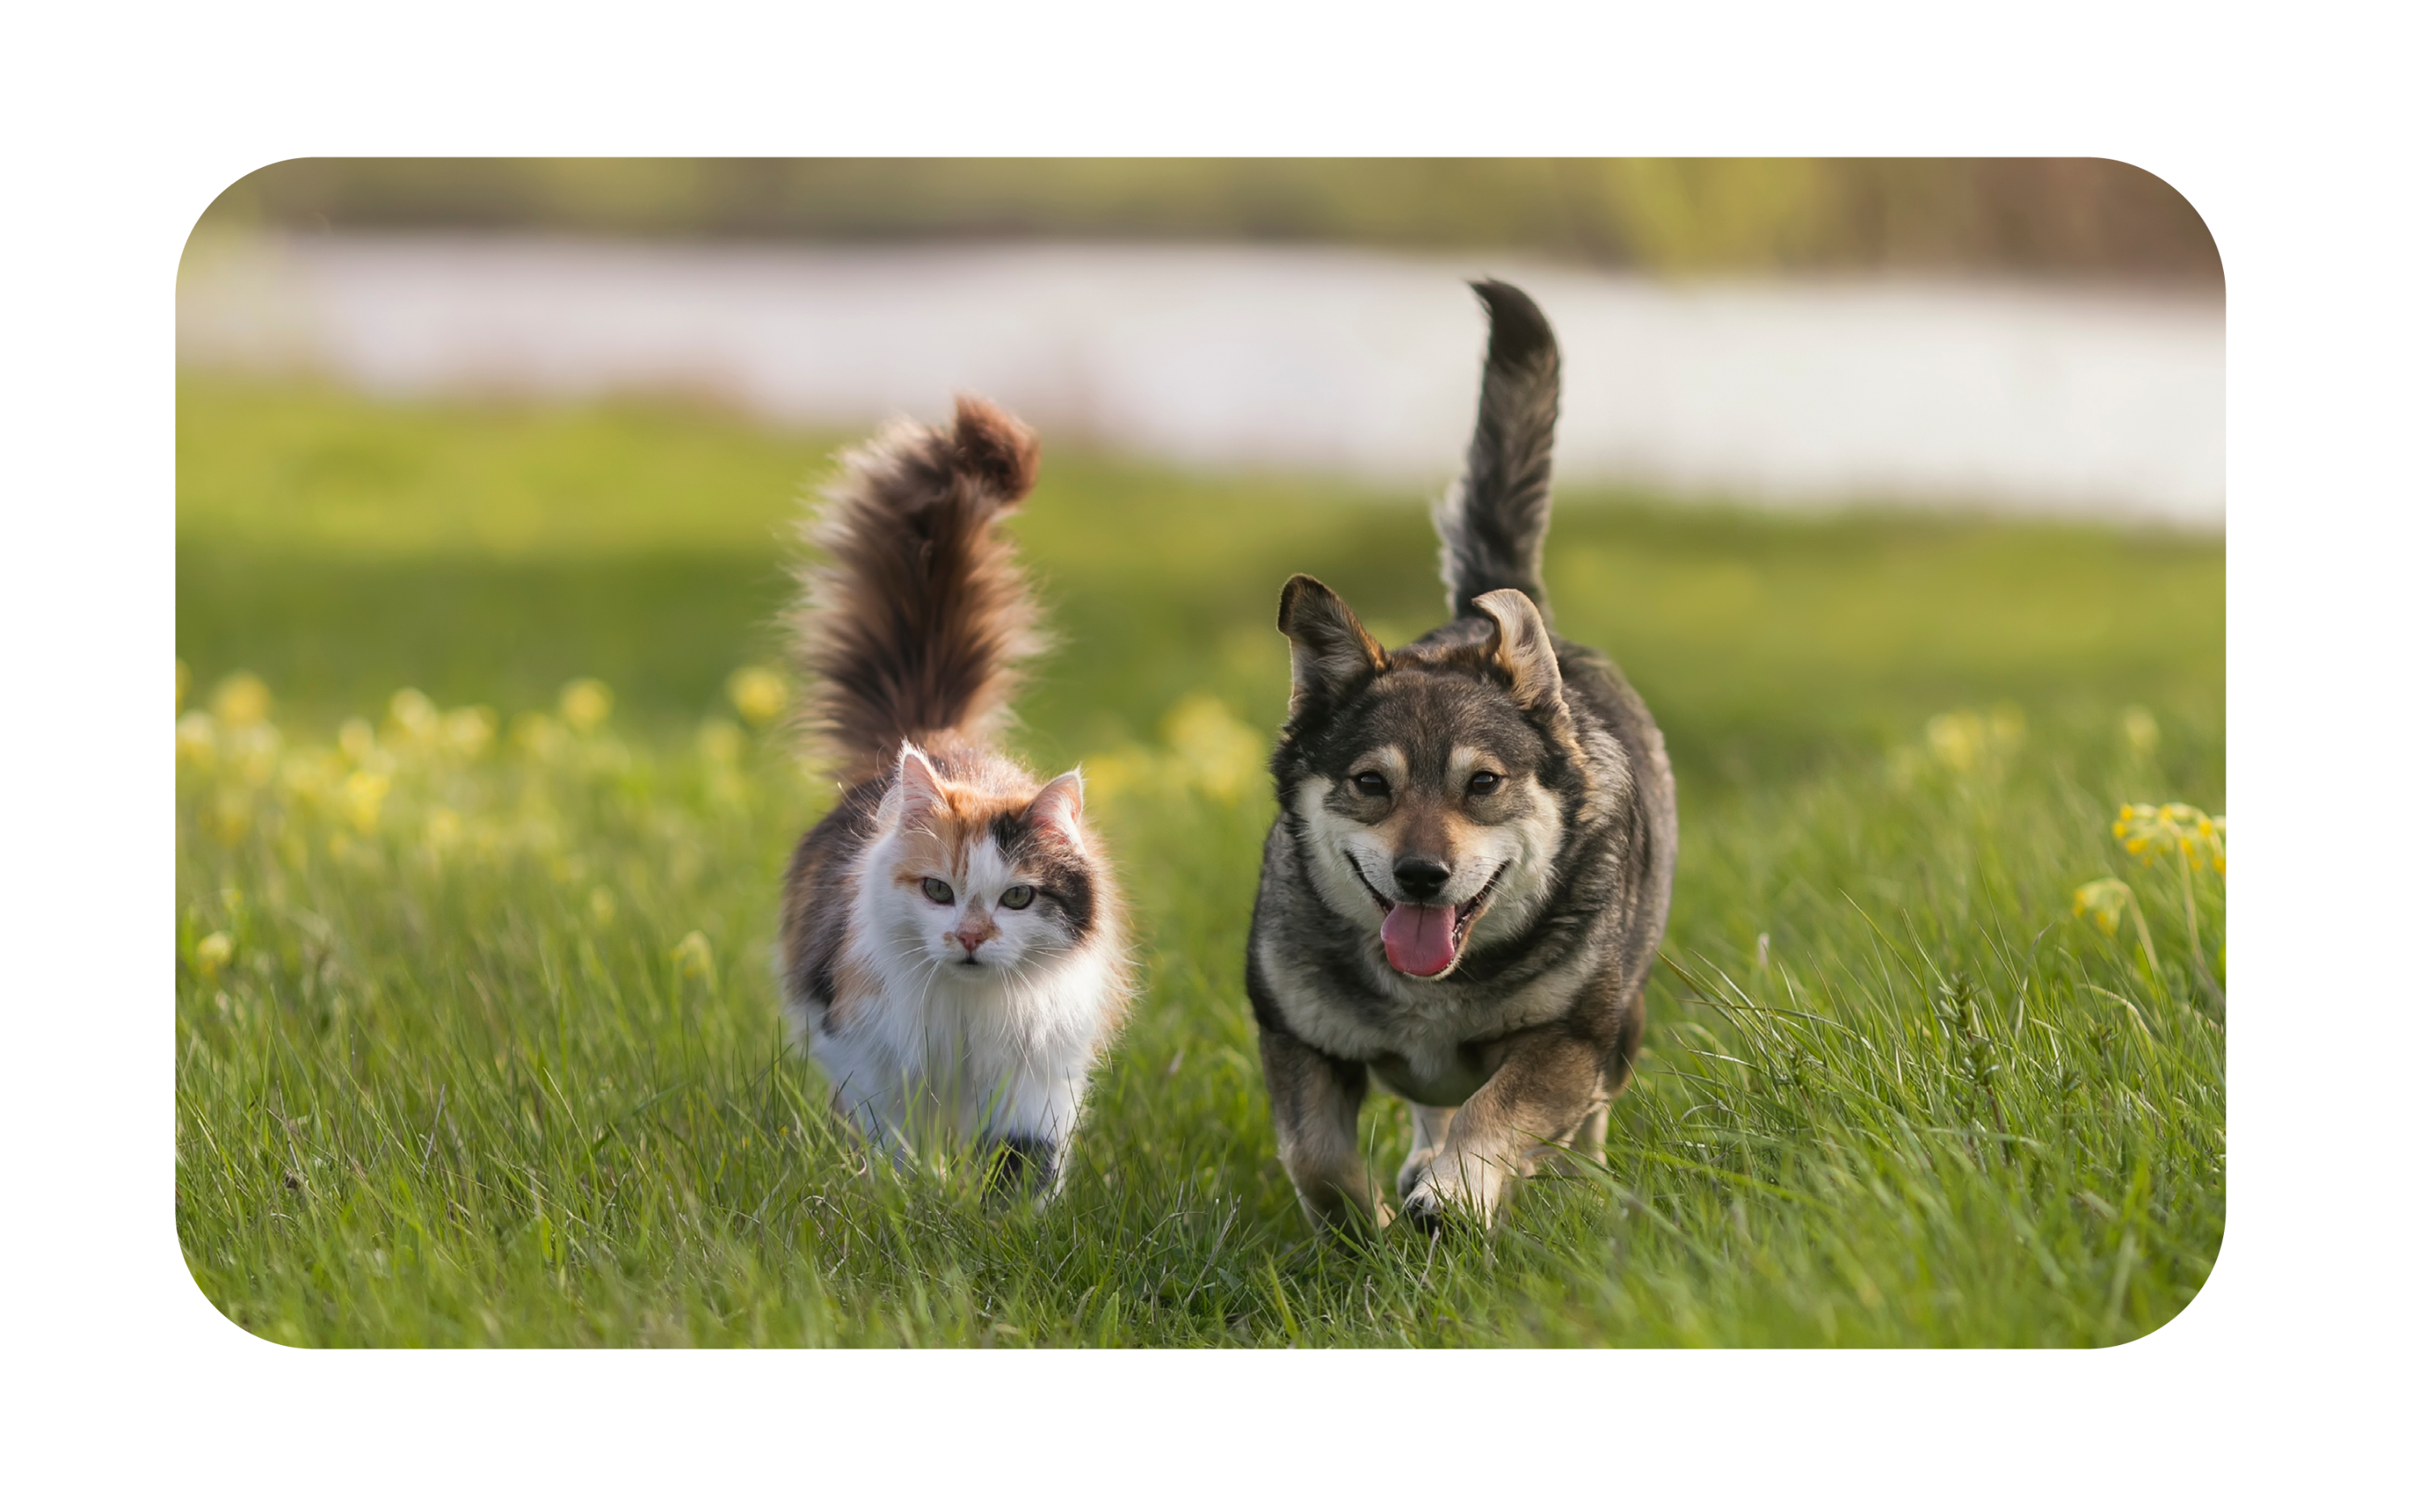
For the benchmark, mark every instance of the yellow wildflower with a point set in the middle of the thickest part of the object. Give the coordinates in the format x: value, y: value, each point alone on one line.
x: 414, y: 712
x: 467, y: 732
x: 2150, y: 831
x: 364, y: 794
x: 600, y: 905
x: 1956, y: 739
x: 355, y: 738
x: 694, y: 956
x: 254, y: 747
x: 760, y: 694
x: 445, y: 828
x: 197, y: 739
x: 2105, y: 901
x: 1217, y: 751
x: 241, y: 700
x: 212, y: 951
x: 585, y: 703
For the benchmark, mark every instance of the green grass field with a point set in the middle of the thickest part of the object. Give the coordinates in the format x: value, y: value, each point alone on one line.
x: 453, y: 1070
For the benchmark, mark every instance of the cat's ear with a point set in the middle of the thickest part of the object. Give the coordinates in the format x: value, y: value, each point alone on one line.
x: 919, y: 789
x: 1059, y: 807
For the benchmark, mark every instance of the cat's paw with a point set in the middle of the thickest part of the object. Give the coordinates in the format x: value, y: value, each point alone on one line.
x: 1020, y: 1165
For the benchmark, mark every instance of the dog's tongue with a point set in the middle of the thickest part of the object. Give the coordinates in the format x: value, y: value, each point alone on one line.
x: 1419, y: 940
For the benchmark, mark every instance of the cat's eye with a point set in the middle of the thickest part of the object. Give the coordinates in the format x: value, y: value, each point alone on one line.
x: 1483, y: 783
x: 1370, y: 784
x: 1020, y: 896
x: 937, y: 890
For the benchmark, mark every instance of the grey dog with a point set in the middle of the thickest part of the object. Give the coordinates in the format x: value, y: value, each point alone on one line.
x: 1472, y: 862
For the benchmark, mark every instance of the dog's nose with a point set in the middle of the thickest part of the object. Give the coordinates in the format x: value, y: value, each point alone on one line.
x: 1420, y: 877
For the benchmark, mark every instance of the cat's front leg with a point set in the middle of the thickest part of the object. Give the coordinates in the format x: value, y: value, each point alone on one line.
x: 1027, y: 1134
x: 1023, y: 1164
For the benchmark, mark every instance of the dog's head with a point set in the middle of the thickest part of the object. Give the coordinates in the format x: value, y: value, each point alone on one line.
x: 1433, y: 783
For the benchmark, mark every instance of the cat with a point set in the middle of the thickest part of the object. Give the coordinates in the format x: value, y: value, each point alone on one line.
x: 953, y: 945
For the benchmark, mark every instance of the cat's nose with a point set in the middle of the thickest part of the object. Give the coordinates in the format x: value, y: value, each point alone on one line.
x: 972, y: 933
x: 1421, y: 878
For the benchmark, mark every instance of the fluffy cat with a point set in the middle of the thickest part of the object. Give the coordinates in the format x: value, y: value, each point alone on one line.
x: 953, y: 949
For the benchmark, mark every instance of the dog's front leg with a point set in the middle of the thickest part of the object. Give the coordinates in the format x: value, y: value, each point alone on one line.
x: 1317, y: 1100
x: 1548, y: 1089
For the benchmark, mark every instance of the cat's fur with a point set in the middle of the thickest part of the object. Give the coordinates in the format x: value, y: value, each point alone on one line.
x: 1472, y: 859
x: 978, y: 1018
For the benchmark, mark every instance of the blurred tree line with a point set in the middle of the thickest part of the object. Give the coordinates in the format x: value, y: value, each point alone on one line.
x: 2060, y: 217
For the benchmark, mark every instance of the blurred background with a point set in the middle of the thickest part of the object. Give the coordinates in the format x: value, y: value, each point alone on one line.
x: 1842, y: 440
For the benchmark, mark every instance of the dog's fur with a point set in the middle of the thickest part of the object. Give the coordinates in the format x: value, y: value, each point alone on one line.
x: 953, y: 949
x: 1559, y: 873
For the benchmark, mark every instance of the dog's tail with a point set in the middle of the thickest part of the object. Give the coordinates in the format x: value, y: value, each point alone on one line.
x: 913, y: 626
x: 1493, y: 521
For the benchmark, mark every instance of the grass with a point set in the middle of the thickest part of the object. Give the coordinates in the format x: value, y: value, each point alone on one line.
x: 447, y: 1072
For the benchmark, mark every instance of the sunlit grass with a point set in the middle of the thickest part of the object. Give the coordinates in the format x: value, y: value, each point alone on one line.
x: 475, y: 1030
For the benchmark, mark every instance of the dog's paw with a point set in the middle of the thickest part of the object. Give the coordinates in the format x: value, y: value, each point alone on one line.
x: 1441, y: 1198
x: 1415, y: 1166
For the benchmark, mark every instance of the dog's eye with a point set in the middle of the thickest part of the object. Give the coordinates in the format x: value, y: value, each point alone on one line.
x: 1371, y: 784
x: 937, y: 890
x: 1020, y: 896
x: 1483, y: 783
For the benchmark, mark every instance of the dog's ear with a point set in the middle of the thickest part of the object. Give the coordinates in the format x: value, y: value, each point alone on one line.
x: 1332, y: 653
x: 1522, y: 651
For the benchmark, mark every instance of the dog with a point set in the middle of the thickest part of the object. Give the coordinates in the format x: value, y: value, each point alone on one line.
x: 1471, y: 865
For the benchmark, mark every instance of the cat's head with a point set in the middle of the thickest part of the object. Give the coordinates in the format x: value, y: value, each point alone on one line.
x: 975, y: 884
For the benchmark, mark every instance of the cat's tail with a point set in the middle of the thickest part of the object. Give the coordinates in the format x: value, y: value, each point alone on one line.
x: 913, y: 625
x: 1493, y: 522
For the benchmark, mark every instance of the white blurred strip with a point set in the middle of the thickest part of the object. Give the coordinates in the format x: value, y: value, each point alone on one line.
x: 2018, y: 398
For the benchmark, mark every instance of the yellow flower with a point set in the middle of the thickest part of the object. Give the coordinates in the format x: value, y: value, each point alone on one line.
x: 444, y: 828
x: 355, y: 738
x: 2105, y: 901
x: 241, y: 700
x: 212, y: 951
x: 2150, y: 831
x: 467, y: 732
x: 600, y: 905
x: 255, y: 747
x: 412, y: 712
x: 1956, y: 739
x: 760, y: 694
x: 364, y: 794
x: 197, y: 739
x: 585, y: 703
x: 1219, y: 752
x: 694, y: 956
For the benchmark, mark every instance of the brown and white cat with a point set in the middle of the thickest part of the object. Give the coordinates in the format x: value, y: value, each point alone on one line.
x: 953, y: 949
